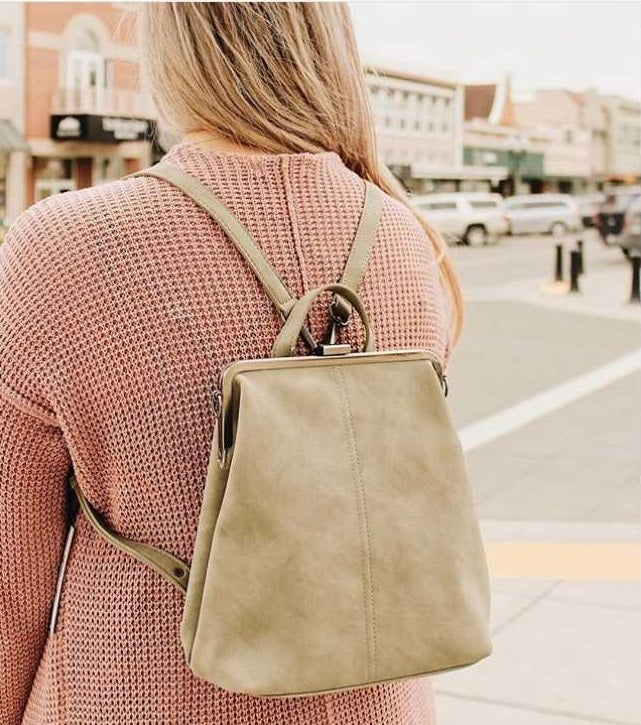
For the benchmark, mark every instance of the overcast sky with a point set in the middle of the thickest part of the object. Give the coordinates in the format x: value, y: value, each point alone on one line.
x: 546, y: 44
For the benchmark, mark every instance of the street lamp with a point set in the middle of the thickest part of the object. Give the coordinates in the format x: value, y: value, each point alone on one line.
x: 516, y: 155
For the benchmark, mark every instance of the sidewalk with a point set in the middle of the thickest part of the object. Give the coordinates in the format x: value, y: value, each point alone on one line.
x: 565, y: 653
x: 558, y: 498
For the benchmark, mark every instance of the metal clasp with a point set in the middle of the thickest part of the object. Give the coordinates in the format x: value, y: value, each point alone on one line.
x: 325, y: 350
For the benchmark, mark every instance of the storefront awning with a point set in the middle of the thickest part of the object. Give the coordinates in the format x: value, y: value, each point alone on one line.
x: 10, y: 138
x: 460, y: 173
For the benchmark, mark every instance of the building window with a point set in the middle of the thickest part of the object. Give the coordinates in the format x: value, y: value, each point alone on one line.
x: 85, y: 74
x: 4, y: 54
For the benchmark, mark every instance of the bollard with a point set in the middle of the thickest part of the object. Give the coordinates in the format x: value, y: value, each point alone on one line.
x: 635, y: 261
x: 574, y: 271
x: 558, y: 265
x: 579, y: 246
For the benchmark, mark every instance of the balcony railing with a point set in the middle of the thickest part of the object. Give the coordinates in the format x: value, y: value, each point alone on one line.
x: 102, y: 102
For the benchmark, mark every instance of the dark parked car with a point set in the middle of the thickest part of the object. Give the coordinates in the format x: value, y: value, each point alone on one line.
x: 630, y: 239
x: 589, y: 206
x: 611, y: 219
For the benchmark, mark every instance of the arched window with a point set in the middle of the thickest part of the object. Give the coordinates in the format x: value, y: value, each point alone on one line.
x: 85, y: 67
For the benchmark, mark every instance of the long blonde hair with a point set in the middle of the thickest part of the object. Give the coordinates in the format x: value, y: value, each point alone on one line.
x: 279, y: 77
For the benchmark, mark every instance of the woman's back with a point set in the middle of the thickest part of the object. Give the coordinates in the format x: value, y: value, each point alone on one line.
x: 119, y: 306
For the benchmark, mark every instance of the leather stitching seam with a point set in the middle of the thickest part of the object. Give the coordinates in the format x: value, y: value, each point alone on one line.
x: 366, y: 553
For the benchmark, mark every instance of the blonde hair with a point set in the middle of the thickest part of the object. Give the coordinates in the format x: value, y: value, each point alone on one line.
x: 279, y: 77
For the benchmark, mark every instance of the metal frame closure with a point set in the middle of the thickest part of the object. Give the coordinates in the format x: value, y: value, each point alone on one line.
x: 222, y: 396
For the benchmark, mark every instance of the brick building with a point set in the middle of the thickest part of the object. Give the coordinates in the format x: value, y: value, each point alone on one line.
x: 12, y: 144
x: 79, y: 104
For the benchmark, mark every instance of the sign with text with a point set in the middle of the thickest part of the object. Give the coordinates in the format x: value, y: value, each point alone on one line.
x: 101, y: 129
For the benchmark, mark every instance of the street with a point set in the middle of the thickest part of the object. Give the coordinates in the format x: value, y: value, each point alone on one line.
x: 545, y: 394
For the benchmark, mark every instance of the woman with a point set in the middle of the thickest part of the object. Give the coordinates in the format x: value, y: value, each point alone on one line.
x: 118, y: 307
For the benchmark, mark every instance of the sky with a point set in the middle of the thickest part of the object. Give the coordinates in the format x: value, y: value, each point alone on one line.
x: 574, y: 45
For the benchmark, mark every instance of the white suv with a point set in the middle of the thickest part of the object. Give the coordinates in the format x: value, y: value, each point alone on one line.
x: 472, y: 218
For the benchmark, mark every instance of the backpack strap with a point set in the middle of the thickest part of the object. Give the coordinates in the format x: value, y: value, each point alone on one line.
x: 360, y: 251
x: 278, y: 293
x: 171, y: 568
x: 267, y: 275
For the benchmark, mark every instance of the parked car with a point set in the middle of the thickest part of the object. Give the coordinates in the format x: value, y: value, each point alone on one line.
x: 589, y: 207
x: 611, y: 217
x: 630, y: 238
x: 473, y: 218
x: 554, y: 214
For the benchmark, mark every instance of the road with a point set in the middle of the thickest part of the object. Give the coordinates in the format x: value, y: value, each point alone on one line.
x: 545, y: 394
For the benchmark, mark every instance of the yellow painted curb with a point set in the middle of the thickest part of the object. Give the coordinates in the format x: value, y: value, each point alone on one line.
x: 555, y: 288
x: 607, y: 561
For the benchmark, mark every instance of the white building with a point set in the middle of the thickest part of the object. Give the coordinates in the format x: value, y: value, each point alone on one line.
x: 418, y: 119
x: 419, y: 126
x: 610, y: 126
x: 624, y: 138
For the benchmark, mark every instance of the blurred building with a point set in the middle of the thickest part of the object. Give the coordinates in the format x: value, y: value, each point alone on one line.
x: 12, y: 144
x: 623, y: 139
x: 610, y: 126
x: 419, y: 126
x: 493, y: 140
x: 74, y: 97
x: 86, y: 119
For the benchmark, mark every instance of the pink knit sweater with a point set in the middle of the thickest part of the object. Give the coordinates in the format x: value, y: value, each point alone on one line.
x: 118, y: 306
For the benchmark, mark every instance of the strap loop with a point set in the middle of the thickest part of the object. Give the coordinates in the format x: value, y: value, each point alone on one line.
x: 171, y: 568
x: 286, y: 340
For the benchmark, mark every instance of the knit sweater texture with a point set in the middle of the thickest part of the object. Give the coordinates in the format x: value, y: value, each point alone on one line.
x: 119, y: 305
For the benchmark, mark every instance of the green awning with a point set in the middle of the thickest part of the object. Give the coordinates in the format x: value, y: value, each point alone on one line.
x: 10, y: 138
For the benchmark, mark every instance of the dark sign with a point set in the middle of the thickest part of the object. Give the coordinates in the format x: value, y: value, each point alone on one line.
x: 102, y: 129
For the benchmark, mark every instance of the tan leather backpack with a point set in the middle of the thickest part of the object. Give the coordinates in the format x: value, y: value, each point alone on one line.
x: 337, y: 544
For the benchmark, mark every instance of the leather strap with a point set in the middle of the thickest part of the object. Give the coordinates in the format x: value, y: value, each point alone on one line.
x: 171, y: 568
x: 360, y: 251
x: 240, y: 236
x: 278, y: 293
x: 286, y: 340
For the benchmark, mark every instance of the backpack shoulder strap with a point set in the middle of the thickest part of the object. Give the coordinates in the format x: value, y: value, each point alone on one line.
x: 239, y: 235
x: 360, y: 251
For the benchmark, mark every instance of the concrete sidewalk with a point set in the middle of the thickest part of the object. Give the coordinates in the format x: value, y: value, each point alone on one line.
x: 557, y: 493
x: 559, y: 504
x: 565, y: 653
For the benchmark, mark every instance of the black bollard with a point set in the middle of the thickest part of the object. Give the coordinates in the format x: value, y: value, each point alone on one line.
x: 558, y: 265
x: 574, y: 271
x: 635, y: 261
x: 579, y: 246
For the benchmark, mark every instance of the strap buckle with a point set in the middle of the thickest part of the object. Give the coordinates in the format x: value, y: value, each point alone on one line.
x: 340, y: 317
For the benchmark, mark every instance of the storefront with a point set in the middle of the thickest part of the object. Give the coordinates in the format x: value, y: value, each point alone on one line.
x: 525, y: 170
x: 430, y: 178
x: 89, y: 149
